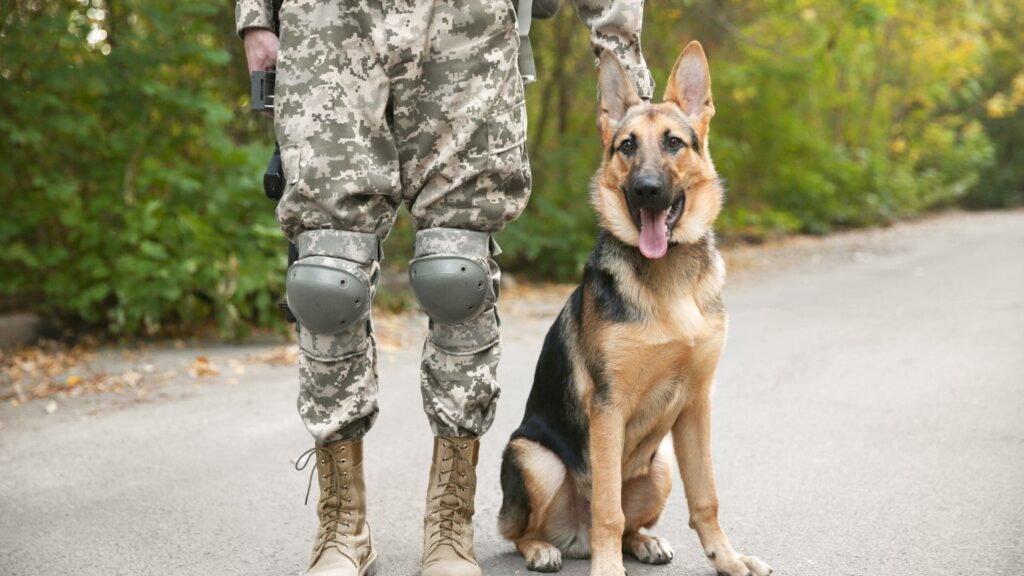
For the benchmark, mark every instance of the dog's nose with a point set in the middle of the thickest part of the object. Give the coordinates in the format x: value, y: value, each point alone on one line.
x: 648, y: 192
x: 647, y: 188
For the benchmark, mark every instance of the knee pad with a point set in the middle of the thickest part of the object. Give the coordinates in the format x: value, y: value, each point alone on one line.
x: 452, y: 275
x: 330, y: 287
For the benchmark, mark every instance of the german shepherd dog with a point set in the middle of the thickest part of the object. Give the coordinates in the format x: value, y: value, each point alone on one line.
x: 632, y: 354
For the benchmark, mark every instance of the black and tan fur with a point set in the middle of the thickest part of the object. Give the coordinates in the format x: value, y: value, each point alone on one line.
x: 631, y: 357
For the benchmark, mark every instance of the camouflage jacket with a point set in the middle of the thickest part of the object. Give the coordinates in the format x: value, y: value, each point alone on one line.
x: 614, y: 25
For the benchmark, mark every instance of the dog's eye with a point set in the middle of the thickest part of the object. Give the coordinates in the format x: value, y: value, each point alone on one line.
x: 674, y: 143
x: 627, y: 146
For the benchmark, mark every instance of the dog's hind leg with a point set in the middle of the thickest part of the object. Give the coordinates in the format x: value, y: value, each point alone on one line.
x: 643, y: 500
x: 547, y: 484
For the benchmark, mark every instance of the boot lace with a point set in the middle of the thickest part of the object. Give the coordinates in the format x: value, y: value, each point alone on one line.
x: 451, y: 504
x: 332, y: 517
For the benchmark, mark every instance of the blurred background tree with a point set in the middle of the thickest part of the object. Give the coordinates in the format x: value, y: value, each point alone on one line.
x: 132, y: 172
x: 131, y: 165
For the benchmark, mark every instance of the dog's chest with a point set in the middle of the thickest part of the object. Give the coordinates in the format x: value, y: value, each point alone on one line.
x: 649, y: 422
x: 675, y: 321
x: 653, y: 356
x: 652, y: 364
x: 657, y: 405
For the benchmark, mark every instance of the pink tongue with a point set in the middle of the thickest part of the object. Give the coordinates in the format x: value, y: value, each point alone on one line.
x: 653, y: 236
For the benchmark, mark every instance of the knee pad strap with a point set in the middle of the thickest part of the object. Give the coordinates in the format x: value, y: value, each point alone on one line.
x: 358, y: 247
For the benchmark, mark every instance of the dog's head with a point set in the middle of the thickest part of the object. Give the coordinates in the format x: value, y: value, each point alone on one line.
x: 657, y: 184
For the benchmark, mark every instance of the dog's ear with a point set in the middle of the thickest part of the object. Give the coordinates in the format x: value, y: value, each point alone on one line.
x: 689, y: 87
x: 617, y: 94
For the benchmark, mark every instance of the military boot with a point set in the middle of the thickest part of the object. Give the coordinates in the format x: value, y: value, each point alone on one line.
x: 342, y: 546
x: 447, y: 526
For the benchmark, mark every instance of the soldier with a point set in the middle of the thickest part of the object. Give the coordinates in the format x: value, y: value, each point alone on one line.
x: 415, y: 102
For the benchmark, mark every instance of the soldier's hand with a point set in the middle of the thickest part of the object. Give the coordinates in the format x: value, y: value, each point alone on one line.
x: 260, y: 48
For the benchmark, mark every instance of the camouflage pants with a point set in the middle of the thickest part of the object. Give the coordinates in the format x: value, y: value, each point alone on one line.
x: 415, y: 102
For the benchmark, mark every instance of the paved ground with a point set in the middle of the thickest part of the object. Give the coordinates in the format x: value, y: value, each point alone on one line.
x: 869, y: 421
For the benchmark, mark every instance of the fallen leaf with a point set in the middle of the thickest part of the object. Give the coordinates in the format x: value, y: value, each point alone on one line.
x: 203, y: 367
x: 280, y: 356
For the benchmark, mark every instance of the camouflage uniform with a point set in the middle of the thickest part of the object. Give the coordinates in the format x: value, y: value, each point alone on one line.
x: 417, y: 102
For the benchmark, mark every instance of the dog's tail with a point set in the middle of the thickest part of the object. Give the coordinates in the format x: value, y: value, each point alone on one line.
x: 515, y: 503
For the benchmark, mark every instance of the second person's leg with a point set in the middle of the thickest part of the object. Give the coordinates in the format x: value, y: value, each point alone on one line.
x: 460, y: 125
x: 342, y: 189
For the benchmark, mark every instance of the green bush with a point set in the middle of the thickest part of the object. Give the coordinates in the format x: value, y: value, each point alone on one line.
x: 129, y: 203
x: 1002, y: 85
x: 829, y: 114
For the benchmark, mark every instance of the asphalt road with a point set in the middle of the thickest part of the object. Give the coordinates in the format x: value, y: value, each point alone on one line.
x: 869, y: 420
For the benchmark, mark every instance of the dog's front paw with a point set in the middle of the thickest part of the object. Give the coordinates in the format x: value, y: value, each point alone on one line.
x: 608, y: 567
x: 544, y: 558
x: 650, y: 549
x: 740, y: 566
x: 757, y: 567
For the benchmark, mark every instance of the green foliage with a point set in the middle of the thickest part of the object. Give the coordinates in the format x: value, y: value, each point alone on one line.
x: 852, y: 117
x: 130, y: 204
x: 829, y: 114
x: 131, y: 166
x: 555, y: 238
x: 1003, y: 83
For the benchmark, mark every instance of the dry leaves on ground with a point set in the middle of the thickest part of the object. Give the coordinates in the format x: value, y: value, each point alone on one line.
x: 203, y: 367
x: 280, y: 356
x: 50, y: 370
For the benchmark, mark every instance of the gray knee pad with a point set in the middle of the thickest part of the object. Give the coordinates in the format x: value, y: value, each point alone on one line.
x: 330, y: 287
x: 452, y: 275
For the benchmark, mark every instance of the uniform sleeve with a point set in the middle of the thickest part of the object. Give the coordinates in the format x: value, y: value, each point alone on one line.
x: 253, y: 14
x: 615, y: 25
